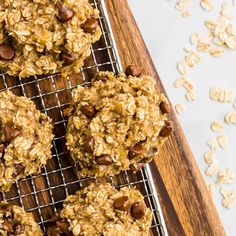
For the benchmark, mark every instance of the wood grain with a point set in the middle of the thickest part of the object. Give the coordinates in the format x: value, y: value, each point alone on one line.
x: 187, y: 206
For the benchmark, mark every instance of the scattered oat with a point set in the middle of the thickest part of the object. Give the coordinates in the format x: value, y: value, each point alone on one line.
x: 234, y: 105
x: 179, y: 82
x: 229, y: 197
x: 220, y: 94
x: 216, y: 52
x: 192, y: 58
x: 181, y: 4
x: 185, y: 14
x: 206, y: 5
x: 182, y: 68
x: 224, y: 12
x: 190, y: 96
x: 225, y: 176
x: 206, y: 39
x: 216, y: 126
x: 210, y: 24
x: 212, y: 169
x: 231, y: 42
x: 209, y: 157
x: 194, y: 38
x: 187, y: 50
x: 212, y: 143
x: 188, y: 85
x: 230, y: 118
x: 203, y: 47
x: 210, y: 189
x: 222, y: 141
x: 222, y: 30
x: 179, y: 108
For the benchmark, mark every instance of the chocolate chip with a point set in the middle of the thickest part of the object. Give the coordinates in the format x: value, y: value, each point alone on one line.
x: 54, y: 231
x: 134, y: 70
x: 19, y: 168
x: 137, y: 167
x: 65, y: 13
x: 67, y: 57
x: 19, y: 229
x: 138, y: 210
x: 89, y: 146
x: 7, y: 52
x: 166, y: 130
x: 11, y: 133
x: 100, y: 78
x: 135, y: 151
x: 164, y: 107
x: 88, y: 110
x: 90, y: 25
x: 104, y: 160
x: 122, y: 203
x: 83, y: 195
x: 64, y: 227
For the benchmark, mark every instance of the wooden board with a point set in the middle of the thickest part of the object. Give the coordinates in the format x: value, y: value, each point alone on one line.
x: 187, y: 206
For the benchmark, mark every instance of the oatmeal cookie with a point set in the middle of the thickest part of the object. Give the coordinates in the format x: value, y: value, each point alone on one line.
x: 47, y: 36
x: 15, y: 221
x: 118, y: 123
x: 25, y: 138
x: 100, y: 209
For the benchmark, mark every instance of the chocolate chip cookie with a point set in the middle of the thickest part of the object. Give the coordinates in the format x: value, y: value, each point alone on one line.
x: 25, y: 139
x: 100, y: 209
x: 15, y: 221
x: 118, y: 123
x: 47, y: 36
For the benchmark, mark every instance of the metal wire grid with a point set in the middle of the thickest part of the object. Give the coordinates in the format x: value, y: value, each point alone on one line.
x: 43, y: 194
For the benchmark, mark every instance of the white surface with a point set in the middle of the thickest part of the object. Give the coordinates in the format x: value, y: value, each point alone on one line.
x: 166, y: 32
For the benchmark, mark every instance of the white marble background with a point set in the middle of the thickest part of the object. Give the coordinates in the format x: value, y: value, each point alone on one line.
x: 166, y: 32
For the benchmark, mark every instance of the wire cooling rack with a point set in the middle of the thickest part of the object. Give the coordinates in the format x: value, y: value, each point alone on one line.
x: 43, y: 194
